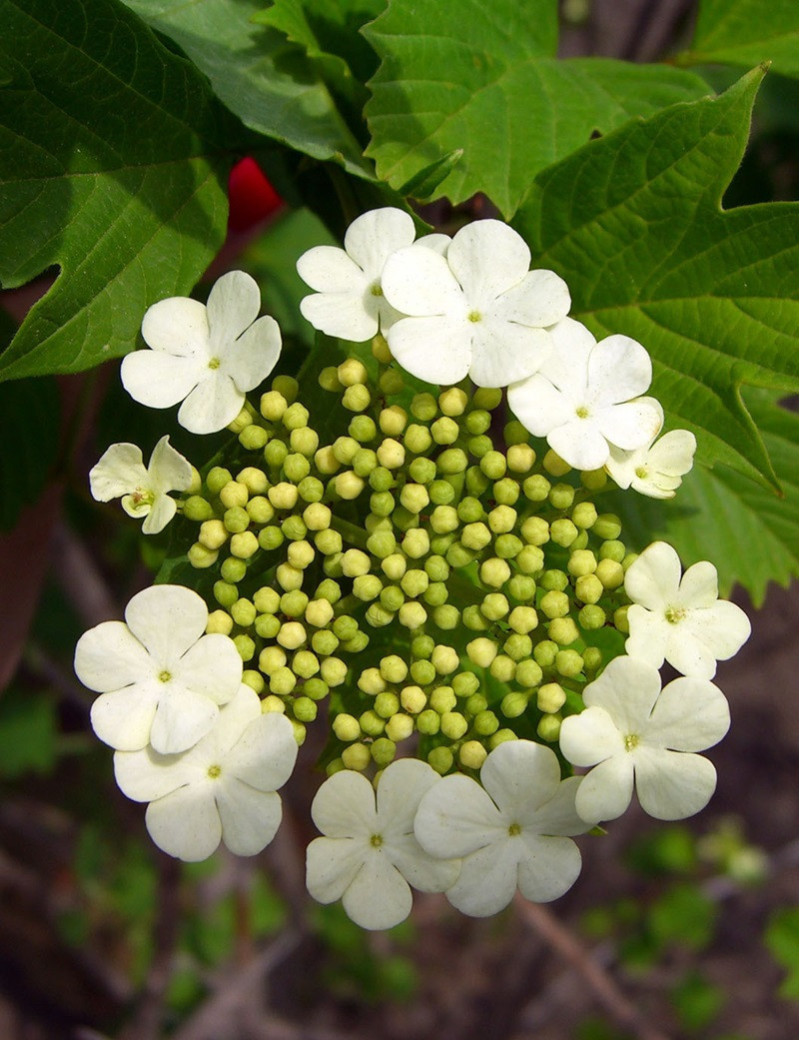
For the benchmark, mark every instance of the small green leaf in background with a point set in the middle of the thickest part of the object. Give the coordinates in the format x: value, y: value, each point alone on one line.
x: 485, y: 78
x: 683, y: 916
x: 113, y: 169
x: 263, y: 78
x: 633, y: 223
x: 745, y: 33
x: 27, y: 733
x: 696, y: 1001
x: 29, y: 432
x: 780, y: 938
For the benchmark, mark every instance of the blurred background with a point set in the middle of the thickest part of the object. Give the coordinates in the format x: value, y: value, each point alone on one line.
x: 684, y: 930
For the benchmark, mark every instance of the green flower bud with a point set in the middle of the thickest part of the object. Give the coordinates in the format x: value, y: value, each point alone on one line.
x: 235, y: 520
x: 520, y: 458
x: 610, y: 573
x: 273, y: 404
x: 493, y: 465
x: 412, y: 615
x: 441, y: 759
x: 391, y: 453
x: 607, y: 526
x: 296, y: 467
x: 282, y: 682
x: 473, y: 619
x: 416, y: 544
x: 329, y: 590
x: 554, y: 579
x: 414, y: 498
x: 391, y: 382
x: 506, y: 493
x: 436, y: 594
x: 253, y: 679
x: 569, y: 663
x: 503, y: 668
x: 485, y: 723
x: 259, y: 510
x: 494, y: 606
x: 555, y: 465
x: 621, y: 619
x: 304, y: 709
x: 304, y: 441
x: 535, y: 530
x: 244, y: 545
x: 241, y: 422
x: 584, y: 515
x: 399, y: 727
x: 219, y: 622
x: 521, y: 587
x: 273, y: 704
x: 452, y: 462
x: 346, y: 728
x: 381, y: 503
x: 392, y: 598
x: 561, y: 496
x: 242, y: 611
x: 387, y: 704
x: 629, y: 559
x: 245, y: 645
x: 518, y: 646
x: 356, y: 398
x: 563, y: 631
x: 500, y: 737
x: 213, y: 534
x: 319, y: 613
x: 554, y: 604
x: 334, y: 671
x: 367, y: 587
x: 288, y: 577
x: 476, y: 704
x: 445, y: 430
x: 530, y: 560
x: 442, y: 699
x: 444, y: 659
x: 536, y: 488
x: 508, y: 546
x: 424, y: 407
x: 549, y: 728
x: 494, y: 573
x: 283, y: 495
x: 378, y: 616
x: 267, y: 626
x: 356, y: 757
x: 345, y: 449
x: 589, y: 589
x: 392, y: 420
x: 478, y: 421
x: 234, y: 493
x: 545, y: 653
x: 563, y: 532
x: 414, y: 583
x: 453, y: 725
x: 612, y: 550
x: 417, y: 439
x: 442, y: 492
x: 217, y: 478
x: 453, y: 401
x: 352, y: 372
x: 324, y: 459
x: 594, y: 479
x: 414, y: 700
x: 422, y: 672
x: 444, y: 519
x: 592, y: 658
x: 476, y: 481
x: 295, y: 417
x: 371, y: 682
x: 582, y: 562
x: 523, y: 620
x: 383, y: 751
x: 197, y: 509
x: 528, y: 674
x: 324, y: 642
x: 446, y: 617
x: 482, y: 651
x: 465, y: 684
x: 513, y: 705
x: 292, y: 635
x: 348, y: 485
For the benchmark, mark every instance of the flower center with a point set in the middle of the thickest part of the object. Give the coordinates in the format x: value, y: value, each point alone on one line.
x: 376, y: 841
x: 631, y: 741
x: 142, y: 496
x: 164, y: 676
x: 641, y: 472
x: 582, y: 412
x: 375, y: 289
x: 214, y: 363
x: 214, y: 772
x: 474, y: 316
x: 514, y: 829
x: 675, y: 614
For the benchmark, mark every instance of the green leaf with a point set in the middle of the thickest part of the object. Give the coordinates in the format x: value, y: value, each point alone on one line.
x: 27, y: 734
x: 747, y: 33
x: 485, y: 78
x: 268, y: 82
x: 633, y: 222
x: 780, y: 938
x: 29, y: 431
x: 113, y: 166
x: 719, y: 514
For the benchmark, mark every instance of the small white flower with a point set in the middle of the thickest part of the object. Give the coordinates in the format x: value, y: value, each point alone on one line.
x: 656, y: 468
x: 120, y: 473
x: 160, y: 678
x: 680, y: 620
x: 477, y: 311
x: 206, y: 356
x: 222, y: 788
x: 369, y: 854
x: 585, y: 399
x: 512, y: 834
x: 633, y: 731
x: 349, y: 301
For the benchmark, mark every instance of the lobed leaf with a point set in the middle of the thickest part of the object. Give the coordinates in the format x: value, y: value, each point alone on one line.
x: 634, y: 224
x: 746, y: 33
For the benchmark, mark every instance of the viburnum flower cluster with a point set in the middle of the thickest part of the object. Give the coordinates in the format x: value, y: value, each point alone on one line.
x: 410, y: 545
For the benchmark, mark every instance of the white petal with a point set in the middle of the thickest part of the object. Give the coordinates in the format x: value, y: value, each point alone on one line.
x: 521, y: 776
x: 109, y: 656
x: 631, y: 425
x: 379, y: 896
x: 233, y: 305
x: 590, y: 737
x: 699, y: 586
x: 418, y: 281
x: 212, y: 666
x: 503, y: 353
x: 621, y: 465
x: 212, y: 405
x: 119, y: 471
x: 182, y: 718
x: 690, y: 715
x: 233, y: 720
x: 456, y: 817
x: 687, y: 654
x: 673, y: 454
x: 488, y: 257
x: 265, y: 754
x: 160, y: 380
x: 250, y: 818
x: 649, y: 637
x: 178, y: 326
x: 672, y: 785
x: 145, y: 775
x: 580, y: 443
x: 539, y: 406
x: 331, y: 866
x: 653, y: 579
x: 168, y: 469
x: 567, y: 367
x: 539, y: 300
x: 186, y: 823
x: 438, y: 243
x: 434, y: 349
x: 328, y: 269
x: 549, y: 868
x: 619, y: 369
x: 488, y: 879
x: 627, y: 690
x: 418, y: 868
x: 159, y: 514
x: 375, y: 235
x: 251, y: 358
x: 167, y: 620
x: 343, y: 315
x: 605, y: 792
x: 558, y: 816
x: 400, y: 790
x: 723, y: 628
x: 123, y: 719
x: 345, y: 806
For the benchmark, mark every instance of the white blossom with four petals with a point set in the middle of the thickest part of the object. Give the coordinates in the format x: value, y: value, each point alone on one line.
x: 120, y: 473
x: 477, y: 310
x: 207, y: 356
x: 657, y: 467
x: 369, y: 856
x: 512, y: 832
x: 680, y: 619
x: 586, y: 397
x: 633, y: 732
x: 161, y: 679
x: 222, y: 789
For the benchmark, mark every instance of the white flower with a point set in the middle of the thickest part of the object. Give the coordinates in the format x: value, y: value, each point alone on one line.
x: 632, y: 730
x: 512, y: 834
x: 223, y: 788
x: 475, y: 311
x: 369, y: 855
x: 349, y: 302
x: 680, y: 620
x: 161, y: 679
x: 655, y: 469
x: 585, y: 399
x: 206, y: 356
x: 120, y: 473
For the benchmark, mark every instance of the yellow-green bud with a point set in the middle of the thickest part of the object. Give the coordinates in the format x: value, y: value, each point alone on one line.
x: 346, y: 728
x: 236, y: 519
x: 305, y: 710
x: 234, y: 493
x: 325, y: 460
x: 569, y: 663
x: 413, y: 699
x: 383, y: 751
x: 399, y: 727
x: 530, y: 560
x: 563, y: 631
x: 219, y: 622
x: 417, y: 439
x: 444, y: 659
x: 482, y: 651
x: 414, y: 498
x: 356, y: 398
x: 442, y: 699
x: 391, y: 453
x: 283, y: 495
x: 528, y: 674
x: 282, y: 682
x: 295, y: 417
x: 486, y: 722
x: 288, y: 577
x: 495, y: 573
x: 334, y: 671
x: 387, y: 704
x: 380, y: 350
x: 352, y: 372
x: 545, y: 653
x: 412, y: 615
x: 441, y: 759
x: 392, y: 420
x: 536, y: 488
x: 271, y: 659
x: 592, y: 658
x: 305, y: 664
x: 591, y: 617
x: 273, y: 405
x: 244, y: 545
x: 329, y: 542
x: 523, y: 619
x: 549, y: 728
x: 444, y: 519
x: 273, y: 704
x: 589, y: 588
x: 356, y: 757
x: 213, y: 534
x: 550, y: 698
x: 243, y: 613
x: 348, y: 485
x: 610, y: 573
x: 513, y: 705
x: 494, y: 606
x: 291, y: 635
x: 253, y: 438
x: 476, y: 536
x: 367, y: 587
x: 300, y: 554
x: 253, y: 679
x: 453, y: 401
x: 554, y: 604
x: 503, y: 668
x: 621, y: 619
x: 197, y: 509
x: 416, y: 543
x: 296, y: 467
x: 414, y: 583
x: 518, y: 646
x: 446, y: 617
x: 391, y: 382
x: 217, y: 478
x: 520, y: 458
x: 453, y: 725
x: 201, y: 557
x: 355, y: 562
